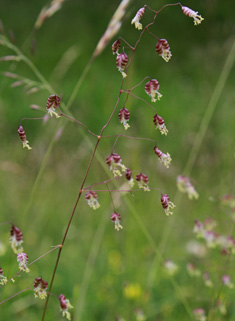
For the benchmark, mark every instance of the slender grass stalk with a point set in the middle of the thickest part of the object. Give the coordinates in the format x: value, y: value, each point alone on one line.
x: 94, y: 249
x: 137, y: 217
x: 229, y: 62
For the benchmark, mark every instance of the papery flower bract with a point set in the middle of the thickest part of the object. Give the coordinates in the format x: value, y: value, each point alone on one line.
x: 163, y: 158
x: 142, y: 181
x: 22, y: 136
x: 192, y: 14
x: 167, y: 204
x: 92, y: 200
x: 170, y: 267
x: 3, y: 279
x: 40, y: 286
x: 192, y: 270
x: 199, y: 314
x: 163, y: 49
x: 151, y: 89
x: 116, y: 218
x: 136, y: 19
x: 65, y: 306
x: 160, y: 124
x: 116, y: 46
x: 16, y: 239
x: 53, y: 102
x: 22, y: 259
x: 226, y: 280
x: 124, y: 116
x: 185, y: 186
x: 121, y: 62
x: 129, y: 177
x: 114, y: 162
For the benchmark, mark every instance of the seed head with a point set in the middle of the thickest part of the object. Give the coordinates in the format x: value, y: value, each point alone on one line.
x: 170, y: 267
x: 163, y: 158
x: 142, y: 181
x: 199, y: 314
x: 22, y: 259
x: 114, y: 162
x: 3, y: 279
x: 16, y: 239
x: 121, y: 62
x: 151, y: 89
x: 53, y: 102
x: 163, y: 49
x: 116, y: 46
x: 124, y: 116
x: 40, y: 288
x: 22, y: 136
x: 192, y: 270
x: 129, y: 177
x: 136, y: 19
x: 226, y: 280
x: 116, y: 218
x: 92, y: 200
x: 167, y: 204
x: 160, y: 124
x: 185, y: 186
x: 65, y: 306
x: 192, y: 14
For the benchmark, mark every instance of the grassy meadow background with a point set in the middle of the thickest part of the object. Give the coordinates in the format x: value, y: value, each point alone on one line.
x: 108, y: 274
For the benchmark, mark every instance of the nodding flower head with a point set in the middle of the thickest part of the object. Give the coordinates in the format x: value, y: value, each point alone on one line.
x: 163, y: 158
x: 163, y: 49
x: 22, y: 136
x: 167, y: 204
x: 160, y: 124
x: 116, y: 218
x: 121, y: 62
x: 40, y: 288
x: 92, y: 200
x: 199, y: 314
x: 129, y: 177
x: 53, y: 102
x: 226, y: 280
x: 116, y: 46
x: 22, y: 259
x: 65, y: 306
x: 151, y: 89
x: 192, y: 14
x: 16, y: 239
x: 114, y: 162
x: 124, y: 116
x: 192, y: 270
x: 3, y: 279
x: 142, y: 181
x: 137, y: 17
x: 185, y: 186
x: 170, y: 267
x: 198, y: 229
x: 207, y: 280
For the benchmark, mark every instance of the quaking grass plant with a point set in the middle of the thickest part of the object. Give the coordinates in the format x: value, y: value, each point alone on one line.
x: 124, y: 178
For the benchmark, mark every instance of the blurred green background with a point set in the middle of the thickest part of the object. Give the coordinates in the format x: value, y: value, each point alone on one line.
x: 105, y: 273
